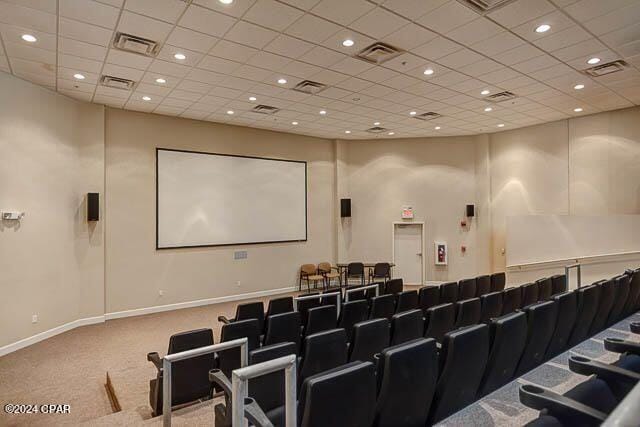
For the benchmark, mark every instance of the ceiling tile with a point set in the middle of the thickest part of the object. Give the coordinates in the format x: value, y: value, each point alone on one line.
x: 164, y: 10
x: 84, y: 32
x: 81, y: 49
x: 437, y: 48
x: 79, y: 64
x: 90, y: 12
x: 250, y: 35
x: 520, y: 12
x: 16, y: 14
x: 192, y: 40
x: 379, y: 23
x: 447, y: 17
x: 288, y: 46
x: 322, y: 57
x: 271, y: 14
x: 312, y: 29
x: 340, y: 11
x: 127, y: 59
x: 139, y: 25
x: 237, y: 8
x: 206, y: 21
x: 475, y: 31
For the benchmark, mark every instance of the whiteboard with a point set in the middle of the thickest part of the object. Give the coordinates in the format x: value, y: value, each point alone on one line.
x: 207, y: 199
x: 543, y: 238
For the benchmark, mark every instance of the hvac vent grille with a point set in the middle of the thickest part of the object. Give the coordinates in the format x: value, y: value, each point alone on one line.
x: 117, y: 82
x: 427, y: 116
x: 135, y: 44
x: 265, y: 109
x: 378, y: 53
x: 376, y: 129
x: 608, y: 68
x: 310, y: 87
x: 485, y: 6
x: 501, y: 97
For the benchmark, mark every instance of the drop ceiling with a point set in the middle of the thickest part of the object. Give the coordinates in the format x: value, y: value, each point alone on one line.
x: 235, y: 55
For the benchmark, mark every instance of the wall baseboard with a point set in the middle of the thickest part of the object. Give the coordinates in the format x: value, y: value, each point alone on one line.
x: 10, y: 348
x: 196, y: 303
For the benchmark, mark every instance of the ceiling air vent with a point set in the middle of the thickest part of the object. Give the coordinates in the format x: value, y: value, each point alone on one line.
x: 135, y: 44
x: 310, y: 87
x: 501, y: 97
x: 427, y: 116
x: 608, y: 68
x: 378, y: 53
x: 265, y: 109
x: 117, y: 82
x: 377, y: 129
x: 485, y: 6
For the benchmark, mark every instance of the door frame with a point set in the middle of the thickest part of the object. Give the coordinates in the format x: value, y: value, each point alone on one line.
x: 422, y: 236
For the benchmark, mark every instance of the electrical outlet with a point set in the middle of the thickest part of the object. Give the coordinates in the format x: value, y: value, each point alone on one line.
x: 161, y: 292
x: 34, y: 318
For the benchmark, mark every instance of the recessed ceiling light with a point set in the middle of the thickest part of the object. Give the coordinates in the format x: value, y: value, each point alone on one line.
x: 180, y: 56
x: 485, y: 92
x: 488, y: 109
x: 252, y: 98
x: 578, y: 87
x: 146, y: 98
x: 347, y: 131
x: 230, y: 112
x: 578, y: 110
x: 348, y: 43
x: 322, y: 112
x: 437, y: 128
x: 428, y: 71
x: 29, y: 38
x: 78, y: 76
x: 543, y: 28
x: 501, y: 125
x: 391, y: 133
x: 282, y: 81
x: 376, y: 123
x: 593, y: 61
x: 161, y: 80
x: 226, y: 1
x: 294, y: 123
x: 413, y: 113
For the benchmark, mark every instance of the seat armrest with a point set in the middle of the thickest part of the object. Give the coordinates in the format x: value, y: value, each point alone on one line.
x: 618, y: 345
x: 218, y: 378
x: 224, y: 320
x: 635, y: 327
x: 585, y: 366
x: 154, y: 358
x: 540, y: 398
x: 254, y: 413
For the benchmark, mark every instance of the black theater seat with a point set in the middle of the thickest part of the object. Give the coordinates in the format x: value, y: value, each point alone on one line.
x: 511, y: 299
x: 498, y: 281
x: 321, y: 319
x: 428, y: 296
x: 407, y: 375
x: 448, y: 292
x: 463, y: 359
x: 491, y: 306
x: 250, y: 310
x: 545, y: 289
x: 393, y: 286
x: 406, y: 300
x: 529, y: 294
x: 633, y: 302
x: 541, y: 322
x: 369, y: 338
x: 190, y: 377
x: 620, y: 299
x: 483, y: 285
x: 559, y: 283
x: 406, y: 326
x: 468, y: 312
x: 508, y: 336
x: 352, y: 312
x: 383, y: 306
x: 567, y: 314
x: 587, y: 308
x: 321, y: 352
x: 439, y: 320
x: 466, y: 289
x: 303, y: 307
x: 284, y: 327
x: 279, y: 306
x: 229, y: 360
x: 605, y: 303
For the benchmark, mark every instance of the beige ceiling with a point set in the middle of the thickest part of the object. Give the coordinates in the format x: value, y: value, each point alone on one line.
x: 237, y: 51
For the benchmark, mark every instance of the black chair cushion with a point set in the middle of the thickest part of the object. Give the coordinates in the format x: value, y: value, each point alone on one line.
x: 268, y: 390
x: 468, y: 312
x: 304, y: 305
x: 511, y: 299
x: 633, y: 301
x: 545, y: 289
x: 352, y: 312
x: 466, y: 289
x: 407, y: 300
x: 567, y: 314
x: 394, y: 286
x: 587, y: 307
x: 323, y: 351
x: 321, y: 319
x: 498, y: 281
x: 483, y: 285
x: 251, y: 310
x: 230, y: 359
x: 440, y: 320
x: 406, y: 326
x: 428, y: 296
x: 559, y: 283
x: 621, y: 296
x: 541, y: 320
x: 529, y: 294
x: 279, y: 306
x: 491, y: 306
x: 383, y: 306
x: 605, y: 303
x: 369, y: 338
x: 283, y: 327
x: 448, y: 292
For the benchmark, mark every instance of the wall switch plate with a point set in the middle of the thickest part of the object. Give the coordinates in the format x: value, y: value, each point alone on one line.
x: 34, y: 318
x: 240, y: 255
x: 237, y: 282
x: 161, y: 292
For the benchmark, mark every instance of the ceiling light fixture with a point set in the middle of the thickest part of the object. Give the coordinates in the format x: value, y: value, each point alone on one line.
x: 593, y: 61
x: 323, y: 112
x: 437, y: 128
x: 348, y: 43
x: 501, y: 125
x: 578, y: 110
x: 578, y: 87
x: 485, y: 92
x: 282, y: 81
x: 146, y: 98
x: 391, y: 133
x: 230, y: 112
x: 252, y: 98
x: 294, y: 123
x: 226, y: 1
x: 29, y: 38
x: 376, y: 123
x: 347, y: 131
x: 428, y: 71
x: 78, y: 76
x: 180, y: 56
x: 161, y: 80
x: 543, y: 28
x: 488, y: 109
x: 413, y: 113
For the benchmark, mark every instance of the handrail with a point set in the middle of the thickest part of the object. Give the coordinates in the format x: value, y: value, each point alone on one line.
x: 319, y: 296
x: 362, y: 288
x: 578, y: 267
x: 188, y: 354
x: 574, y: 259
x: 627, y: 413
x: 239, y: 386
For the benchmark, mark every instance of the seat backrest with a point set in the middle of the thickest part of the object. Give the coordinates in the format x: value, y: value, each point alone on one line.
x: 304, y: 305
x: 483, y: 285
x: 190, y: 377
x: 407, y: 375
x: 381, y: 269
x: 322, y: 351
x: 279, y: 306
x: 268, y: 390
x: 464, y: 357
x: 508, y: 335
x: 466, y: 289
x: 545, y: 289
x: 567, y: 313
x: 369, y: 338
x: 308, y: 269
x: 491, y: 306
x: 407, y: 300
x: 345, y: 396
x: 283, y: 327
x: 324, y: 267
x: 448, y: 292
x: 351, y: 313
x: 559, y: 283
x: 498, y: 281
x: 251, y: 310
x: 587, y: 307
x: 468, y: 312
x: 321, y: 319
x: 355, y: 295
x: 529, y: 294
x: 406, y: 326
x: 229, y: 360
x: 594, y: 393
x: 633, y: 301
x: 328, y: 299
x: 541, y: 322
x: 511, y: 299
x: 383, y: 306
x: 428, y: 296
x: 440, y: 319
x: 394, y: 286
x: 607, y: 295
x: 355, y: 269
x: 620, y: 299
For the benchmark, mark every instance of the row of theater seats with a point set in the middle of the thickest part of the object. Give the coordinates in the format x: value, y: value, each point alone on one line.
x: 591, y: 402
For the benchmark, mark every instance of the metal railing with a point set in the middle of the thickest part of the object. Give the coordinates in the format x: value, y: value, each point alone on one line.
x: 568, y: 268
x: 363, y: 288
x: 175, y: 357
x: 319, y: 296
x: 240, y: 381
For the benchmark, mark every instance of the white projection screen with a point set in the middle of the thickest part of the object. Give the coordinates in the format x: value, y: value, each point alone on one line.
x: 207, y: 199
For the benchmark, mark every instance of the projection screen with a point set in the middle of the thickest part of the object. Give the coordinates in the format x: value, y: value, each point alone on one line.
x: 208, y: 199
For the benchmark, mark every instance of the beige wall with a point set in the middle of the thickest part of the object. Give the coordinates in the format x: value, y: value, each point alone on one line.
x: 51, y: 262
x: 136, y: 271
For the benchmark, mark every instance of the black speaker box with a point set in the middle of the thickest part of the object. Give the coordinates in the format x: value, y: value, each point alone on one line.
x: 345, y: 208
x: 93, y: 206
x: 470, y: 210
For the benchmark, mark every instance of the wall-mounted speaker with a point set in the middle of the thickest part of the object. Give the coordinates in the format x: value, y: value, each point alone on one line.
x: 470, y: 210
x: 345, y: 208
x: 93, y: 206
